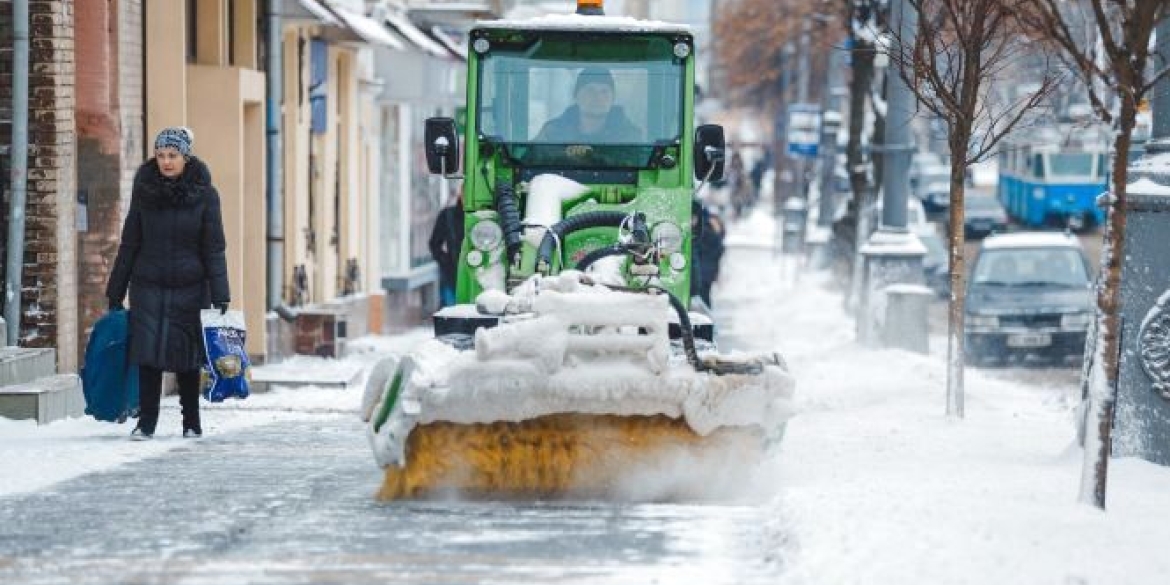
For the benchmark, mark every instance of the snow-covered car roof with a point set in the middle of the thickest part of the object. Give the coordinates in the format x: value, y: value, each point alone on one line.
x: 1031, y: 240
x: 586, y: 23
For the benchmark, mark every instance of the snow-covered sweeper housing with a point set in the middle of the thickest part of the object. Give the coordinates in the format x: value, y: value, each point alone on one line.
x: 572, y: 359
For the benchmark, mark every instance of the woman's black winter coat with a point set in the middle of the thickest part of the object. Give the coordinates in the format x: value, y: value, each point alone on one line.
x: 172, y: 260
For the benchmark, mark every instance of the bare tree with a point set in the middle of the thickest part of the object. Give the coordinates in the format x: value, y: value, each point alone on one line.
x: 752, y: 35
x: 960, y: 48
x: 851, y: 229
x: 1108, y: 47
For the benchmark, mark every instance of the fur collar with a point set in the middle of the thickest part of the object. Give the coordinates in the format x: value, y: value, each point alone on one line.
x: 158, y: 191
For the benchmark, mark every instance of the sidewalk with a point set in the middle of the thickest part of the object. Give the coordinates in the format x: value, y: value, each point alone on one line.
x: 33, y: 457
x: 875, y: 485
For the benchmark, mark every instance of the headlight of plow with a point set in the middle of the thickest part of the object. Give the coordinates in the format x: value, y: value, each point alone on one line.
x: 474, y: 258
x: 667, y: 236
x: 487, y: 235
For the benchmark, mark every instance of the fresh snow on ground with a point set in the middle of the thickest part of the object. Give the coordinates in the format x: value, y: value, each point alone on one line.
x: 873, y: 483
x: 876, y: 485
x: 34, y: 457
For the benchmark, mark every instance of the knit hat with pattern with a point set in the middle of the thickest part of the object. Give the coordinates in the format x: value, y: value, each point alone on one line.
x: 177, y: 137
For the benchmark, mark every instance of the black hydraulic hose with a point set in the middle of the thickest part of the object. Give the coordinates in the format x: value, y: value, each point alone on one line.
x: 509, y: 219
x: 559, y: 230
x: 684, y: 325
x: 718, y: 366
x: 598, y: 254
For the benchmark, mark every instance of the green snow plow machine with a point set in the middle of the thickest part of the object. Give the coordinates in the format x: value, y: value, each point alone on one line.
x: 572, y: 364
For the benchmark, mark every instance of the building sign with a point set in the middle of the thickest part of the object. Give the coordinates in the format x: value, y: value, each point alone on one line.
x: 804, y: 130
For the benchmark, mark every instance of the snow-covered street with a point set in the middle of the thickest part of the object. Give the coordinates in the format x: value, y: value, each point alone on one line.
x: 290, y: 502
x: 873, y: 484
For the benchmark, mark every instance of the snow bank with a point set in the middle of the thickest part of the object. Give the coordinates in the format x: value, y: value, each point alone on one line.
x: 1035, y: 239
x: 1145, y: 186
x: 34, y: 457
x: 875, y: 485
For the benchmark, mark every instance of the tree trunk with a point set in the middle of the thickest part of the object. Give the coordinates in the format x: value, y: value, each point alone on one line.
x: 1105, y: 370
x: 860, y: 86
x: 956, y: 353
x: 878, y: 139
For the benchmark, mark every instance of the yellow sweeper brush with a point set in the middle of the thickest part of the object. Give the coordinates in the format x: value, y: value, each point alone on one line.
x: 575, y: 455
x: 576, y: 393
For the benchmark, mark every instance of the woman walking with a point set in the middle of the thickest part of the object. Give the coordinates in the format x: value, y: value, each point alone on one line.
x: 171, y: 259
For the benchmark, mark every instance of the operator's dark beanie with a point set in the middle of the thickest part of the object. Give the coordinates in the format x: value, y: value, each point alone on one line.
x: 593, y: 75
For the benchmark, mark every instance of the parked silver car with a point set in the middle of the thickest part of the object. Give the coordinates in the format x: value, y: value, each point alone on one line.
x: 1028, y: 293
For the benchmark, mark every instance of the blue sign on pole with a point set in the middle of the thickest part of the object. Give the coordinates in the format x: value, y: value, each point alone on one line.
x: 804, y: 130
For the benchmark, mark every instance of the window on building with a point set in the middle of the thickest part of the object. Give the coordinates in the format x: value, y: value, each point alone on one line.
x: 229, y: 17
x: 192, y: 7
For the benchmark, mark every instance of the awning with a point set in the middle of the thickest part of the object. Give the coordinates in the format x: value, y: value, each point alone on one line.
x: 319, y: 11
x: 403, y: 26
x: 369, y: 29
x: 454, y: 12
x: 450, y: 42
x: 361, y: 28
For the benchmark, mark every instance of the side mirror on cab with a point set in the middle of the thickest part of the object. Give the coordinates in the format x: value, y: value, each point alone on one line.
x: 442, y: 144
x: 710, y: 149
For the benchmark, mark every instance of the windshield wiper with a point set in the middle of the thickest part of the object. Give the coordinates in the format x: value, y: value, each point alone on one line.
x: 1034, y: 283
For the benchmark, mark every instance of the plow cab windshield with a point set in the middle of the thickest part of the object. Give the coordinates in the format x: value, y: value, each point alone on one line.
x: 564, y: 103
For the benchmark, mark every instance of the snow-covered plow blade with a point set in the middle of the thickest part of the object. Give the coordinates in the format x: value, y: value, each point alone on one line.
x: 577, y: 391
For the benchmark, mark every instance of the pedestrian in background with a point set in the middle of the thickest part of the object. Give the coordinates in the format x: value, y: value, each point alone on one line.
x: 707, y: 232
x: 757, y: 173
x: 171, y: 259
x: 446, y: 243
x: 739, y: 186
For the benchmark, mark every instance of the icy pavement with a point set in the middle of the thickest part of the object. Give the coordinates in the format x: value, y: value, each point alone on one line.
x: 290, y: 502
x: 874, y: 486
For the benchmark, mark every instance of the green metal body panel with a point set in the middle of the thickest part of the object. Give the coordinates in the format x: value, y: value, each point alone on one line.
x: 662, y: 194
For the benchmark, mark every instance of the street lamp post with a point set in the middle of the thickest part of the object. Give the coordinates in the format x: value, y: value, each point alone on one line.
x: 780, y: 143
x: 892, y: 255
x: 830, y: 124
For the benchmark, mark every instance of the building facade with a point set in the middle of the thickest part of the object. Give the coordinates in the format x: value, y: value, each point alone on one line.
x: 49, y: 281
x: 202, y: 71
x: 424, y: 79
x: 357, y: 79
x: 110, y: 141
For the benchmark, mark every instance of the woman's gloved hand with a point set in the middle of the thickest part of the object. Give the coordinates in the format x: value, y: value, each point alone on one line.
x: 221, y: 305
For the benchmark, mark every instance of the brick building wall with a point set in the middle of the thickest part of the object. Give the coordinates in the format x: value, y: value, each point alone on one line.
x: 109, y: 140
x: 131, y: 93
x: 49, y: 280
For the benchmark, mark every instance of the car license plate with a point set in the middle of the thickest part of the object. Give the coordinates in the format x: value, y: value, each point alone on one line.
x: 1029, y: 340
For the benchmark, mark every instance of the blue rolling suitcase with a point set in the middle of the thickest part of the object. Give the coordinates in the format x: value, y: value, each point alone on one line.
x: 109, y: 381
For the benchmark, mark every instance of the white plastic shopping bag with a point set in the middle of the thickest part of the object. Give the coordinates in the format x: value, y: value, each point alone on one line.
x: 227, y: 371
